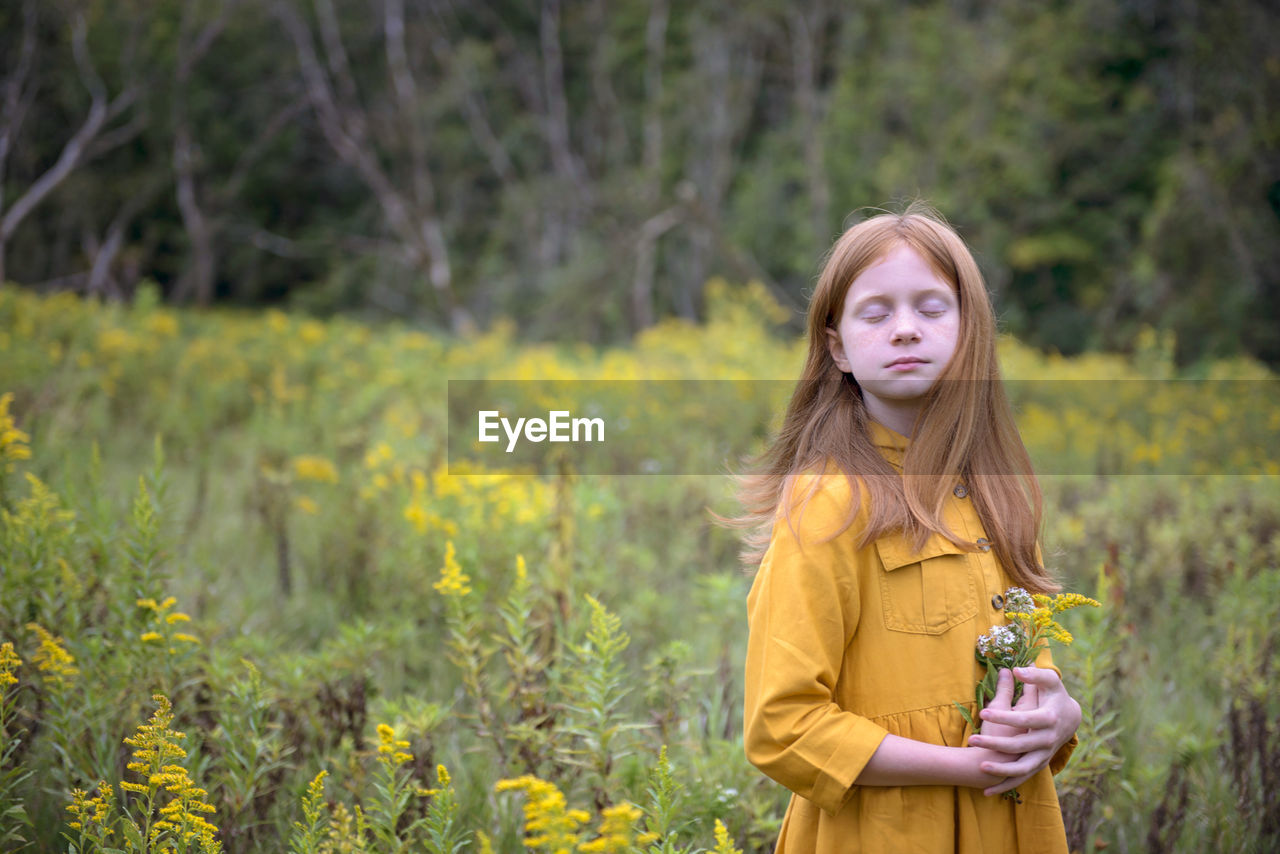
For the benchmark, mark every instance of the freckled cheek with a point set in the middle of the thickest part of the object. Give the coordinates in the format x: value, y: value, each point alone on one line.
x: 863, y: 340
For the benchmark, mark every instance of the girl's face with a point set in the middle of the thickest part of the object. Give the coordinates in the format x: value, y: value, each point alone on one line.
x: 896, y: 334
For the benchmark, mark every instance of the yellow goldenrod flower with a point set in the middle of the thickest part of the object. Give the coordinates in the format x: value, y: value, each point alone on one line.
x: 617, y: 831
x: 1066, y: 601
x: 9, y: 662
x: 14, y: 444
x: 94, y: 811
x: 416, y: 515
x: 309, y: 467
x: 453, y: 581
x: 155, y: 750
x: 53, y: 661
x: 724, y: 845
x: 392, y: 752
x: 548, y: 823
x: 378, y: 455
x: 313, y: 803
x: 162, y: 621
x: 306, y: 505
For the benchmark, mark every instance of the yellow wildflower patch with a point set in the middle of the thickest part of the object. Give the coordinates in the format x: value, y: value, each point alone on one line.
x: 53, y: 661
x: 14, y: 444
x: 9, y: 662
x: 311, y: 467
x: 548, y: 822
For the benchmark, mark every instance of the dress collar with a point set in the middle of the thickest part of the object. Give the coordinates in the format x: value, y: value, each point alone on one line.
x: 891, y: 444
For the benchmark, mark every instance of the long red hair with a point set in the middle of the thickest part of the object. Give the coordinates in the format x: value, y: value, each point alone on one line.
x: 965, y: 431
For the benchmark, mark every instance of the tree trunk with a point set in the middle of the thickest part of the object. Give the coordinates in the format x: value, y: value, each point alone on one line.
x: 345, y: 125
x: 806, y: 27
x: 102, y: 109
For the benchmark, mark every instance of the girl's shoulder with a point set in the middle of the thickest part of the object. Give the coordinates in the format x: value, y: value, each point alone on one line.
x: 821, y: 504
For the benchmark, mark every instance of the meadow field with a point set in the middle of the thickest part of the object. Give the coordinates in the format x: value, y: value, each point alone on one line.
x: 246, y: 604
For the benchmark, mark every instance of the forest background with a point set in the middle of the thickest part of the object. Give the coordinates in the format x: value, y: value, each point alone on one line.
x: 586, y: 167
x: 248, y: 245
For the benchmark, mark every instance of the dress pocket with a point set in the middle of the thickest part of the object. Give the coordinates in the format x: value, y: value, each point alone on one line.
x: 925, y: 591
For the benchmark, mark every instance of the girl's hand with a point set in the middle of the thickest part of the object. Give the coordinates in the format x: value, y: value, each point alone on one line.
x: 1043, y: 720
x: 991, y: 756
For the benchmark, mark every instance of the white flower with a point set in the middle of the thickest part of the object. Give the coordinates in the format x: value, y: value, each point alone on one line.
x: 1018, y: 601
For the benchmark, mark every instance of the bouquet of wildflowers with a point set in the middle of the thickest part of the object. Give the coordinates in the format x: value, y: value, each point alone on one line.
x: 1031, y: 626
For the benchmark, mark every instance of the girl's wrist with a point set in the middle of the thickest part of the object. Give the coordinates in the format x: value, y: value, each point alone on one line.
x: 969, y: 767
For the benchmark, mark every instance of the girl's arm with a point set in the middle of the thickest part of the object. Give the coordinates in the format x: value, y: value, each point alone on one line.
x: 802, y: 609
x: 906, y: 762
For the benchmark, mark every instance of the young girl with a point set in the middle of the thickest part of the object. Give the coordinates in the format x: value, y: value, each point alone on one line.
x: 897, y: 505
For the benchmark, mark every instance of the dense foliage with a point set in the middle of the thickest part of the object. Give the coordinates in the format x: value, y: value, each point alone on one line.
x: 587, y: 167
x: 240, y: 589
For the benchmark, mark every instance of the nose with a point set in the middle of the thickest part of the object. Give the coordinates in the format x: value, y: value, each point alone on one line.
x: 905, y: 328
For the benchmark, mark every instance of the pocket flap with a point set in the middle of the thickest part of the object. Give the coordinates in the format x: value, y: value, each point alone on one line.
x: 896, y: 550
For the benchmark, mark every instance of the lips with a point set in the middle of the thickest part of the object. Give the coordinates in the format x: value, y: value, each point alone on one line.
x: 905, y: 361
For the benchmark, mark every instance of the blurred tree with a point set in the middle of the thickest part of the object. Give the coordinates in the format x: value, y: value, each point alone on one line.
x: 586, y: 167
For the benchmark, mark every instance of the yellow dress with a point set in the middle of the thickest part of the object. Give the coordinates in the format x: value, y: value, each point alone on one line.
x: 849, y: 644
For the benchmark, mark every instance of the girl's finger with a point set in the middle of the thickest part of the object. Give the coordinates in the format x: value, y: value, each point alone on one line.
x: 1004, y: 690
x: 1043, y: 677
x: 1029, y: 719
x: 1030, y: 697
x: 1022, y: 767
x: 1015, y: 745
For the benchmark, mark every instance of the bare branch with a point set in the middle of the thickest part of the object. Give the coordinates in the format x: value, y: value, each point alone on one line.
x: 343, y: 129
x: 805, y: 27
x: 646, y: 263
x: 104, y: 254
x: 84, y: 63
x: 556, y: 119
x: 118, y: 136
x: 344, y: 124
x: 75, y: 150
x: 17, y: 95
x: 406, y: 91
x: 335, y: 52
x: 655, y: 43
x: 474, y: 109
x: 193, y: 49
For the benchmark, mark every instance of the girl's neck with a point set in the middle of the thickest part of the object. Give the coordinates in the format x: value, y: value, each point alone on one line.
x: 900, y: 418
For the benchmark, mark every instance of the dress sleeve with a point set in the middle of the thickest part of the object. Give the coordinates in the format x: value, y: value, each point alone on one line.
x: 1059, y: 759
x: 802, y: 612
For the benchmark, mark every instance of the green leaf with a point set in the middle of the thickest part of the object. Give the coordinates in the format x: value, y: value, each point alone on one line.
x: 134, y: 836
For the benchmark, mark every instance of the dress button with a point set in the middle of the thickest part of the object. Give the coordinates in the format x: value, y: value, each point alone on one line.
x: 960, y: 491
x: 984, y: 544
x: 997, y: 601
